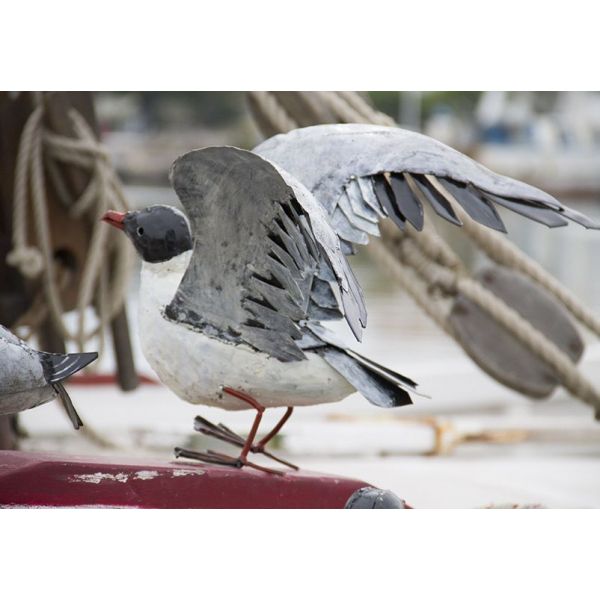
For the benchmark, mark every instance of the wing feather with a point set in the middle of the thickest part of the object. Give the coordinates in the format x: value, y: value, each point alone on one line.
x: 265, y: 259
x: 361, y: 173
x: 408, y: 203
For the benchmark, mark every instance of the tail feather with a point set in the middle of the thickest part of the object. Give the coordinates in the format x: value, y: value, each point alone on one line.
x: 58, y: 367
x: 401, y: 380
x: 378, y: 385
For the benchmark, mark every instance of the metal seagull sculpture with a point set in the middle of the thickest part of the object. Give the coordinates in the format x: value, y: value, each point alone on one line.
x: 29, y: 377
x: 231, y: 305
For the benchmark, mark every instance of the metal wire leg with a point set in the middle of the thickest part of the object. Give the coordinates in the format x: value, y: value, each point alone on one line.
x: 223, y: 433
x: 216, y: 458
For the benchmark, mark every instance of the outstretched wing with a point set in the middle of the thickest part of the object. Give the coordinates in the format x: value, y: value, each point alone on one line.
x: 265, y: 260
x: 360, y: 173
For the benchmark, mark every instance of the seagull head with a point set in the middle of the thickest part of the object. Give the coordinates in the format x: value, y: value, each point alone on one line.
x: 158, y: 233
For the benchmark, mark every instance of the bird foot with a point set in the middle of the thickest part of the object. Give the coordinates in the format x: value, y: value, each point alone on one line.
x: 223, y: 433
x: 216, y: 458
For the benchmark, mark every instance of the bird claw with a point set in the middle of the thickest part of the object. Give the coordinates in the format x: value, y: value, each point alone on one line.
x: 217, y: 458
x: 225, y: 434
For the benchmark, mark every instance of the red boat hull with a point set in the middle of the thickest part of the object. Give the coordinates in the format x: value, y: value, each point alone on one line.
x: 45, y: 480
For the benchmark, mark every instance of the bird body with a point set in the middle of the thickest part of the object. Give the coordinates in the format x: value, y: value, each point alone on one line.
x: 233, y: 297
x: 29, y: 378
x: 241, y: 305
x: 197, y: 366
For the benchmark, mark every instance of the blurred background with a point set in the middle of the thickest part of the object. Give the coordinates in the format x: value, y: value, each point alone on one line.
x: 475, y: 442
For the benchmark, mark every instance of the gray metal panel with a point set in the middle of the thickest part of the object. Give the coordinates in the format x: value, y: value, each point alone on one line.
x: 326, y: 157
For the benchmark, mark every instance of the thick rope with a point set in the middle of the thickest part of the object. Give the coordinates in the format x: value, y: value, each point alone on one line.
x: 267, y: 105
x: 452, y: 281
x: 423, y: 263
x: 37, y: 148
x: 410, y: 280
x: 349, y: 107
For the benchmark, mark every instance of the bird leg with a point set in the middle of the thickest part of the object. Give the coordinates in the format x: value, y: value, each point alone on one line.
x: 265, y: 440
x: 223, y: 433
x: 260, y: 409
x: 260, y: 447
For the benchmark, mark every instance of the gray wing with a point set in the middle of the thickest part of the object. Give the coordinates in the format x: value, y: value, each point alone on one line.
x: 265, y: 260
x: 360, y: 173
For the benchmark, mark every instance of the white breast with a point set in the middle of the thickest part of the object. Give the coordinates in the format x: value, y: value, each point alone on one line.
x: 196, y: 366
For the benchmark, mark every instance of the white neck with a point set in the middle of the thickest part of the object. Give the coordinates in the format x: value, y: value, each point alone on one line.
x: 159, y: 281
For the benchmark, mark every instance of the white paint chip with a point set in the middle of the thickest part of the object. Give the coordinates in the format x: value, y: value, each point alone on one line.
x: 124, y: 477
x: 144, y: 475
x: 186, y: 472
x: 98, y: 477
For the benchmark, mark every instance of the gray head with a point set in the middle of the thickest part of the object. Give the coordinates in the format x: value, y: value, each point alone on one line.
x: 158, y: 233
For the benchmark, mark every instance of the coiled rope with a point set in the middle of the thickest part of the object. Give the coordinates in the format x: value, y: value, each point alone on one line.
x: 432, y: 273
x: 102, y: 284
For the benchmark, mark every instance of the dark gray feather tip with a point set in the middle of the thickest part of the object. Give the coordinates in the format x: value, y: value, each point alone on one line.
x: 58, y: 367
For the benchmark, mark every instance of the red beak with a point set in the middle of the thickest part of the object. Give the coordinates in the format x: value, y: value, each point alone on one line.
x: 114, y: 218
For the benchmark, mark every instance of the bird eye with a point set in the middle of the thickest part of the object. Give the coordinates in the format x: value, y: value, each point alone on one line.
x: 140, y: 231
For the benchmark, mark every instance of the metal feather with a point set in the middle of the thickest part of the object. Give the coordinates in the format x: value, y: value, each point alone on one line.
x: 476, y: 205
x: 440, y: 205
x: 540, y: 214
x: 367, y: 192
x: 372, y: 385
x: 322, y: 294
x: 355, y: 220
x: 408, y: 204
x: 359, y: 204
x: 386, y: 198
x: 577, y: 217
x: 343, y: 227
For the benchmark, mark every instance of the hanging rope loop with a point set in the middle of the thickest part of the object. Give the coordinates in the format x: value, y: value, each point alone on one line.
x: 40, y: 151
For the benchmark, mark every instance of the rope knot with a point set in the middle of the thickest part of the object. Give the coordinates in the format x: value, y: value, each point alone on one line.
x: 28, y: 260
